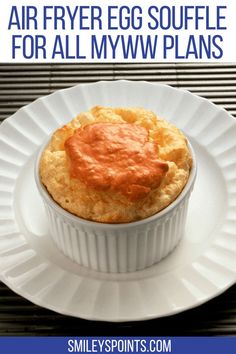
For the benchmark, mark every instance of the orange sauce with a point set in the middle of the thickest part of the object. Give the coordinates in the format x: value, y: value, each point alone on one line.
x: 117, y: 157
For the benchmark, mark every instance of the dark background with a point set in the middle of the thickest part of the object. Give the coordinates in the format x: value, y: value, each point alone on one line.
x: 20, y: 85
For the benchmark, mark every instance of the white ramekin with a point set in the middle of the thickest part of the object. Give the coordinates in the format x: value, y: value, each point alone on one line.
x: 117, y: 248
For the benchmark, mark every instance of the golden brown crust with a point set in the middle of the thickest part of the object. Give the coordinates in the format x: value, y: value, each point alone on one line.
x: 109, y: 206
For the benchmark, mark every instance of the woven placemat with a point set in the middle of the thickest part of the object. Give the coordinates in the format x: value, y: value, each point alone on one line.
x: 20, y: 84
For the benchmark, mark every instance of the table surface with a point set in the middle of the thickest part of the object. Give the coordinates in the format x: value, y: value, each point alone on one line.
x: 21, y: 84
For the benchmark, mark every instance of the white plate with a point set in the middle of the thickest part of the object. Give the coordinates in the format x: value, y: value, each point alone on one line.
x: 202, y: 266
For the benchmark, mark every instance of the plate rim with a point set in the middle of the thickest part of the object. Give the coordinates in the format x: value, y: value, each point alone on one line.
x: 37, y: 301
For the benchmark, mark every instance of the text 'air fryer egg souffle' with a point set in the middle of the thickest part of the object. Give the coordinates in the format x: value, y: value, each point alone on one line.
x: 115, y: 165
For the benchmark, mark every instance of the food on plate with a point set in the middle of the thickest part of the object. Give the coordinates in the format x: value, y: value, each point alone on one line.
x: 115, y: 165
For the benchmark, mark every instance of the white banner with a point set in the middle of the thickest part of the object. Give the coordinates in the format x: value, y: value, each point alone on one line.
x: 117, y: 31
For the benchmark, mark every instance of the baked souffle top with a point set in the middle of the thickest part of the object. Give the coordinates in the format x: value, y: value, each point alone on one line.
x: 115, y: 165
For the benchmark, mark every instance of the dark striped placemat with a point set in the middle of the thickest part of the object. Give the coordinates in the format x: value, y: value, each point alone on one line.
x: 20, y: 84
